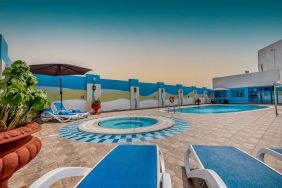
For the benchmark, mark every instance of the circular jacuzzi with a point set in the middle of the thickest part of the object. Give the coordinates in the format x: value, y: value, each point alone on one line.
x: 126, y: 124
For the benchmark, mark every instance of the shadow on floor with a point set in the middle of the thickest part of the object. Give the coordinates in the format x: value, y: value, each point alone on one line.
x: 194, y: 182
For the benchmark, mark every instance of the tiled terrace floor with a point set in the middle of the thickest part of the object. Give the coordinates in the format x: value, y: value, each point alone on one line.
x: 248, y: 131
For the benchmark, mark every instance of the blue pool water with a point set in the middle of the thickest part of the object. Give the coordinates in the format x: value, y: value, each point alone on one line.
x: 214, y: 109
x: 128, y: 122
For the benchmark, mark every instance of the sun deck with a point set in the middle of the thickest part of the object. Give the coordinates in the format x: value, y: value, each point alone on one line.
x: 248, y: 131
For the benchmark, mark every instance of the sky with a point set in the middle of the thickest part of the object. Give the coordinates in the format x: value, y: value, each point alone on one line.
x: 172, y: 41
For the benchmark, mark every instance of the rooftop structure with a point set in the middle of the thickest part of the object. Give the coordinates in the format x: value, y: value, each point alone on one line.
x: 4, y: 59
x: 258, y: 86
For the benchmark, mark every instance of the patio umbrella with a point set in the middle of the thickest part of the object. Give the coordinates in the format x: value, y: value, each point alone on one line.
x: 58, y: 70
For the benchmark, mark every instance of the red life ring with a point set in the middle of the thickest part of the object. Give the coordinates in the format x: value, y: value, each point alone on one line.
x: 171, y: 99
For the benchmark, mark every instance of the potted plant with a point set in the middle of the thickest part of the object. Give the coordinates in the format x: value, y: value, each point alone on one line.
x: 96, y: 105
x: 20, y: 103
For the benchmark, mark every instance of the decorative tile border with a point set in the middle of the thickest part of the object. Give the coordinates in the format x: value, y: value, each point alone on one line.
x: 72, y: 132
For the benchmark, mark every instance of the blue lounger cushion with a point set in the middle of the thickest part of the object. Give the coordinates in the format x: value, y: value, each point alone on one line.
x: 76, y: 111
x: 58, y: 108
x: 236, y: 168
x: 49, y: 110
x: 278, y: 150
x: 64, y: 112
x: 126, y: 166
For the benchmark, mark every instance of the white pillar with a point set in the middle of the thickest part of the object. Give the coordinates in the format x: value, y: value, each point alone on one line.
x: 180, y: 97
x: 134, y: 97
x: 92, y: 94
x: 2, y: 67
x: 161, y: 97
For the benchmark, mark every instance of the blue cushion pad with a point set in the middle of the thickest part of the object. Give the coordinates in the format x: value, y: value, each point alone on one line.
x: 278, y: 150
x: 64, y: 112
x: 75, y: 111
x: 236, y: 168
x: 127, y: 166
x: 58, y: 106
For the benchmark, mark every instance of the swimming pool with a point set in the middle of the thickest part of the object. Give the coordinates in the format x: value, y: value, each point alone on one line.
x: 128, y: 122
x: 216, y: 109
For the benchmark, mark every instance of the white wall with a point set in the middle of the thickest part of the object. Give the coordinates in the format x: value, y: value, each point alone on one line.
x: 75, y: 103
x: 247, y: 80
x: 270, y: 57
x: 187, y: 101
x: 149, y: 103
x: 2, y: 67
x: 118, y: 104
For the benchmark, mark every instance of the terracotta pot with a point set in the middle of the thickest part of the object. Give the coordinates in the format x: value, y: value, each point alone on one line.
x: 96, y: 108
x: 18, y: 147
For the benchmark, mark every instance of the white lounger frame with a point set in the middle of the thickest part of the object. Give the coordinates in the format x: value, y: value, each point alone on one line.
x: 211, y: 177
x: 269, y: 151
x: 60, y: 118
x: 80, y: 115
x: 164, y: 180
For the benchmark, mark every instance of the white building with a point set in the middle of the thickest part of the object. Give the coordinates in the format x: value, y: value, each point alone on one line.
x: 257, y: 86
x: 4, y: 59
x: 270, y: 57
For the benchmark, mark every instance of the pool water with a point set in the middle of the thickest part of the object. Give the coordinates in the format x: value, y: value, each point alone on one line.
x: 214, y: 109
x: 128, y: 122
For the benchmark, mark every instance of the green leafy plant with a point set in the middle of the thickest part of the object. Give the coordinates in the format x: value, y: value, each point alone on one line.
x: 20, y: 101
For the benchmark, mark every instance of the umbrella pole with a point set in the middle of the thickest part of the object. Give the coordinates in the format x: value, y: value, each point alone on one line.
x: 61, y: 89
x: 275, y: 98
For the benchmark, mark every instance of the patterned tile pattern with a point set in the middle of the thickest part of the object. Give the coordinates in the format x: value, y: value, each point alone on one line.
x: 72, y: 132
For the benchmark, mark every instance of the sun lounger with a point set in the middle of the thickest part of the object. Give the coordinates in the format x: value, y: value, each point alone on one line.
x: 226, y: 166
x: 126, y: 166
x: 49, y: 114
x: 57, y: 106
x: 274, y: 152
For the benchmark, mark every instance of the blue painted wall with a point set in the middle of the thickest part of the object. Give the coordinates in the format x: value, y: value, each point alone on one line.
x: 69, y: 82
x: 244, y: 99
x: 115, y: 84
x: 4, y: 51
x: 147, y: 88
x: 77, y: 83
x: 187, y: 90
x: 171, y: 89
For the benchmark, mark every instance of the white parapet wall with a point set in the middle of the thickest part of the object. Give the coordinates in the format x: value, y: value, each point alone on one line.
x: 149, y: 103
x: 270, y: 57
x: 247, y: 80
x: 76, y: 103
x: 118, y: 104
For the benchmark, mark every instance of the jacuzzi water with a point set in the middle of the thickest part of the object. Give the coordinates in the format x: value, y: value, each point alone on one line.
x: 128, y: 122
x: 226, y: 108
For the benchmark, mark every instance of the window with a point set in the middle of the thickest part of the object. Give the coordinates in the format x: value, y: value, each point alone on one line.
x: 220, y: 94
x: 237, y: 92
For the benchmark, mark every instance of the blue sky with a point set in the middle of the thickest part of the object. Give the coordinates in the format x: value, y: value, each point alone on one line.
x: 186, y: 42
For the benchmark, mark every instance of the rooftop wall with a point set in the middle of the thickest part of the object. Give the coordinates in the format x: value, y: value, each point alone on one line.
x: 270, y: 57
x: 247, y: 80
x: 4, y: 51
x: 116, y: 94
